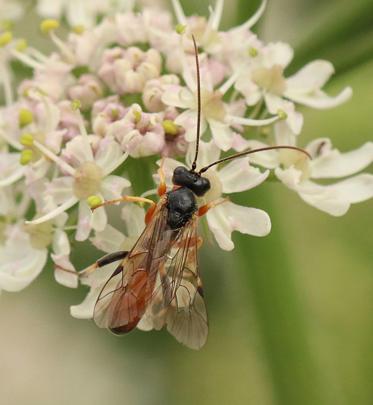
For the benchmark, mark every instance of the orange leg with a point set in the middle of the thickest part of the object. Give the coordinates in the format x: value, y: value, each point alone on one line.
x: 162, y: 188
x: 205, y: 208
x: 105, y: 260
x: 125, y: 198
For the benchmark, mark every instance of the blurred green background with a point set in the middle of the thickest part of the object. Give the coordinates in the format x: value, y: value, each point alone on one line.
x: 290, y: 315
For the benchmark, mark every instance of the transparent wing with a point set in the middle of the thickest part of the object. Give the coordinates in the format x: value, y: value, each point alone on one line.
x: 126, y: 295
x: 177, y: 300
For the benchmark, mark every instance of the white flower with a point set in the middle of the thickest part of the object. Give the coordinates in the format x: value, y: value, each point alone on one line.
x: 298, y: 173
x: 263, y: 78
x: 17, y: 270
x: 234, y: 177
x: 214, y: 112
x: 207, y: 31
x: 88, y: 168
x: 80, y: 12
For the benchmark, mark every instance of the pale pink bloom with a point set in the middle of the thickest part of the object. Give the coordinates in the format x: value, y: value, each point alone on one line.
x: 87, y: 172
x: 105, y: 112
x: 153, y: 92
x: 214, y: 111
x: 51, y: 75
x: 128, y: 70
x: 140, y: 134
x: 87, y: 90
x: 263, y: 77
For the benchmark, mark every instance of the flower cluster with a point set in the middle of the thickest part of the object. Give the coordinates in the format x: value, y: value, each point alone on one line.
x: 126, y: 90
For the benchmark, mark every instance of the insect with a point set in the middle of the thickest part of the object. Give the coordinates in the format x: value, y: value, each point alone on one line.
x: 157, y: 283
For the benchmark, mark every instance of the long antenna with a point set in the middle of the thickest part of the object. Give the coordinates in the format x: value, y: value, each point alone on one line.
x: 194, y: 164
x: 250, y: 152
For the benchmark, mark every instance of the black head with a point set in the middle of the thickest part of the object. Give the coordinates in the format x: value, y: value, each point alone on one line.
x: 189, y: 179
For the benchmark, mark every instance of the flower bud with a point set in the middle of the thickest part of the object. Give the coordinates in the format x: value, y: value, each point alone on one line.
x: 282, y: 114
x: 87, y: 91
x: 94, y: 201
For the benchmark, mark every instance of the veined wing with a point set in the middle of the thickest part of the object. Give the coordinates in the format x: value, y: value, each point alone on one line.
x: 126, y: 295
x: 178, y: 298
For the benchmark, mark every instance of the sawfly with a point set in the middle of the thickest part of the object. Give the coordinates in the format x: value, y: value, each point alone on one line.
x: 157, y: 283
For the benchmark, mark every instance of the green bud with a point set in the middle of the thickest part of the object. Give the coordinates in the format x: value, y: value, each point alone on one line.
x: 282, y: 114
x: 94, y: 201
x: 180, y: 29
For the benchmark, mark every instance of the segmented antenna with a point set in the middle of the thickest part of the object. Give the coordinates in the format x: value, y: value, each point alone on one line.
x: 250, y: 152
x: 194, y: 164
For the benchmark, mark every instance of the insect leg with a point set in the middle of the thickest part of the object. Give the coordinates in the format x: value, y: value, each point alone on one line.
x: 107, y: 259
x: 205, y: 208
x: 125, y: 198
x: 162, y: 188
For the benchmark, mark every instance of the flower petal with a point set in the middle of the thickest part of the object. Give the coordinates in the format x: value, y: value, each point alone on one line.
x: 208, y: 152
x: 108, y: 240
x: 113, y: 186
x: 324, y: 198
x: 61, y: 244
x: 134, y: 218
x: 355, y: 189
x: 321, y: 100
x: 222, y: 134
x: 84, y: 222
x: 229, y: 217
x: 69, y: 278
x: 311, y: 77
x: 178, y: 96
x: 239, y: 176
x: 109, y: 156
x: 188, y: 120
x: 78, y: 151
x: 268, y: 159
x: 337, y: 164
x: 17, y: 270
x: 254, y: 18
x: 96, y: 281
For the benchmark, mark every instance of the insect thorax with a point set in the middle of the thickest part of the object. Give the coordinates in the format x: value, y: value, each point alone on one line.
x: 181, y: 205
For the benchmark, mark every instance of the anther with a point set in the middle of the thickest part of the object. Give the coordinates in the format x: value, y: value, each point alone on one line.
x: 25, y: 117
x: 170, y: 127
x: 27, y: 139
x: 49, y: 25
x: 5, y: 38
x: 26, y: 157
